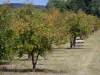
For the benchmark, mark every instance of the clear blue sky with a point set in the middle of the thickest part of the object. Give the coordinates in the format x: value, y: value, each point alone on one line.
x: 35, y: 2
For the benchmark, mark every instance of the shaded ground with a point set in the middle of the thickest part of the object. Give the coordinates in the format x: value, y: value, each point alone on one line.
x: 63, y: 61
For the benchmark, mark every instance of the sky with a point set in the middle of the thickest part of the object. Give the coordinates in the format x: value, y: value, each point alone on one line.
x: 35, y: 2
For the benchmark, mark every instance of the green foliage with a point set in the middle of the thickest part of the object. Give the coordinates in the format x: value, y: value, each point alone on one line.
x: 74, y: 5
x: 95, y: 7
x: 30, y: 38
x: 88, y: 6
x: 28, y: 30
x: 61, y: 4
x: 6, y: 33
x: 69, y: 25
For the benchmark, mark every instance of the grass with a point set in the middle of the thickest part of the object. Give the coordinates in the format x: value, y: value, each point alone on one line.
x: 82, y: 61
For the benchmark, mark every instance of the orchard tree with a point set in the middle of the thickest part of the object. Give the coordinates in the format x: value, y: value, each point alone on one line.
x: 93, y: 23
x: 34, y: 35
x: 77, y: 26
x: 59, y: 29
x: 6, y: 33
x: 72, y: 27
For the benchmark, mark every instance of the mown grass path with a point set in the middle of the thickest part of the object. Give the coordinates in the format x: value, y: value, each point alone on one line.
x: 94, y: 44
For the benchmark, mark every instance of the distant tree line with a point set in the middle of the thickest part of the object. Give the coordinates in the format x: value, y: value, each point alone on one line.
x: 88, y: 6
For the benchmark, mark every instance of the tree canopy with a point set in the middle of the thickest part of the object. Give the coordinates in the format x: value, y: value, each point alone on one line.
x: 28, y: 30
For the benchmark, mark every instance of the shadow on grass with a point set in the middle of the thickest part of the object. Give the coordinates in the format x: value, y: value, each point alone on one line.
x: 21, y: 59
x: 77, y: 48
x: 4, y: 62
x: 28, y: 70
x: 58, y: 49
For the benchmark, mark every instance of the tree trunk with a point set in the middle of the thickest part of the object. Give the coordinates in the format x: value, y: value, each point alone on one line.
x: 74, y: 42
x: 34, y: 61
x: 71, y: 45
